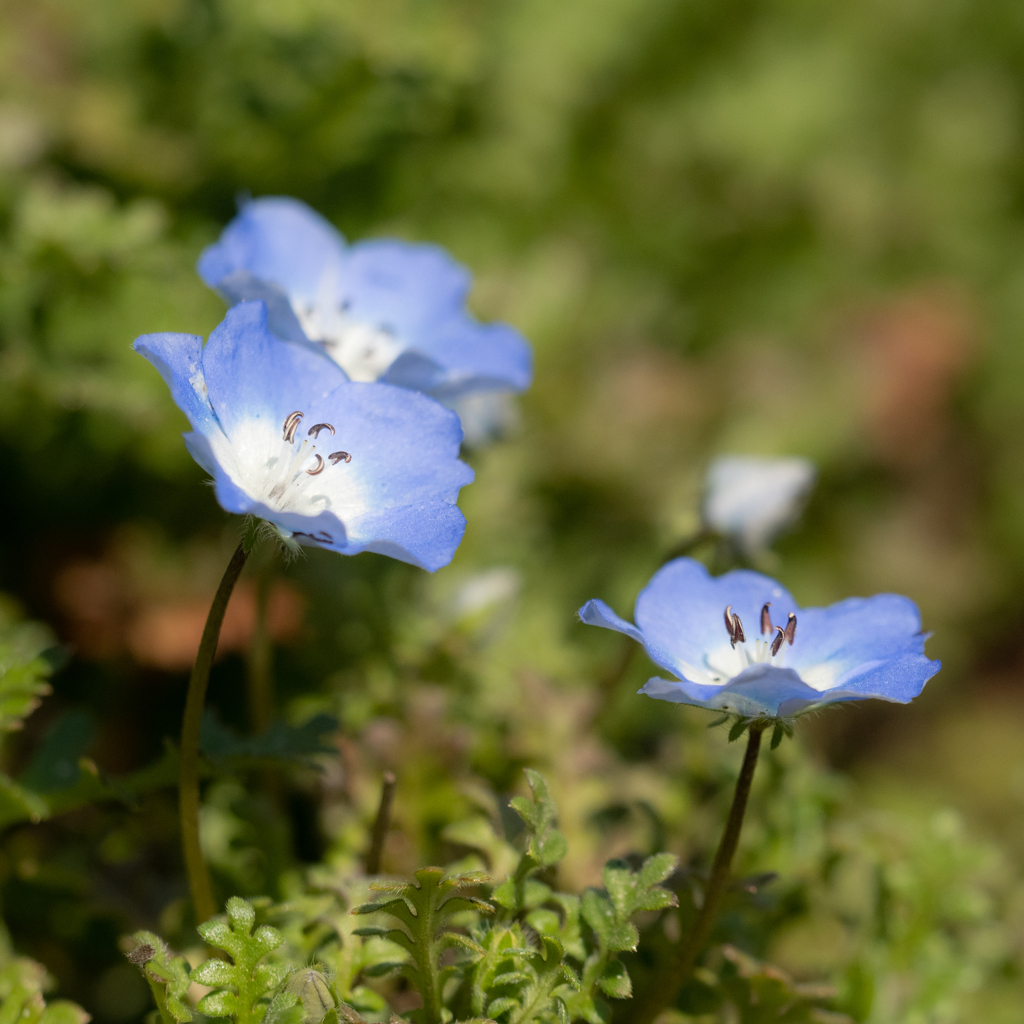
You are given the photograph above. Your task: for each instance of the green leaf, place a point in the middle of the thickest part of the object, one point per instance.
(614, 981)
(168, 976)
(777, 733)
(739, 728)
(424, 908)
(246, 981)
(281, 741)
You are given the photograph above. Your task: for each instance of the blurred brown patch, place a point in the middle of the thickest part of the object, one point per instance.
(650, 387)
(105, 618)
(916, 350)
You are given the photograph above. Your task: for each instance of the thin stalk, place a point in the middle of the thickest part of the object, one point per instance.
(666, 985)
(259, 677)
(199, 882)
(381, 825)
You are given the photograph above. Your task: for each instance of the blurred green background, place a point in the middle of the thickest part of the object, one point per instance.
(733, 226)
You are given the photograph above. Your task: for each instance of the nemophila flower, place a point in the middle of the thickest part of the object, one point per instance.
(331, 463)
(739, 643)
(752, 500)
(383, 310)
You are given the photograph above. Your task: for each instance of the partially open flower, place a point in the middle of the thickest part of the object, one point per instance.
(382, 309)
(739, 643)
(751, 500)
(331, 463)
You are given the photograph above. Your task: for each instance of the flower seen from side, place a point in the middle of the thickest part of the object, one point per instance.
(751, 499)
(383, 310)
(332, 463)
(738, 643)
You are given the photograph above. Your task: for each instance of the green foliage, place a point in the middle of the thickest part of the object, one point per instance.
(167, 975)
(242, 987)
(24, 668)
(545, 847)
(22, 985)
(424, 911)
(762, 994)
(281, 741)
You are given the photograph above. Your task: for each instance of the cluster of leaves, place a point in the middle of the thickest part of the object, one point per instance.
(23, 983)
(527, 953)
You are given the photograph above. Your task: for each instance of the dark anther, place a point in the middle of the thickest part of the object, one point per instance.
(780, 636)
(291, 424)
(766, 619)
(738, 627)
(319, 466)
(337, 457)
(791, 629)
(730, 628)
(141, 954)
(314, 431)
(733, 626)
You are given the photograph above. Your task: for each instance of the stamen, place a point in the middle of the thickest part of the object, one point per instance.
(730, 627)
(791, 629)
(738, 629)
(291, 424)
(319, 466)
(766, 619)
(337, 457)
(314, 431)
(780, 636)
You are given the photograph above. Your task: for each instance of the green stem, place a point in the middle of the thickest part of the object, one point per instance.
(199, 882)
(259, 679)
(666, 985)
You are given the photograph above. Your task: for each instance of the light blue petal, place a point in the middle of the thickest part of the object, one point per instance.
(899, 680)
(681, 611)
(251, 374)
(242, 286)
(179, 359)
(426, 535)
(406, 444)
(405, 288)
(759, 691)
(477, 357)
(277, 241)
(858, 630)
(596, 613)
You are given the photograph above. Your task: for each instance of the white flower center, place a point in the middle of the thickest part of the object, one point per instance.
(363, 351)
(291, 470)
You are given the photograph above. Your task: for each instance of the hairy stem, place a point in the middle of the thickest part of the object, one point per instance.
(199, 882)
(666, 985)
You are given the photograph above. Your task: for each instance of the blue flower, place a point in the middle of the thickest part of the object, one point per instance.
(383, 309)
(751, 499)
(739, 643)
(331, 463)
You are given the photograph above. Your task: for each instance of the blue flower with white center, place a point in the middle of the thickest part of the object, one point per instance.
(290, 439)
(752, 499)
(383, 310)
(739, 643)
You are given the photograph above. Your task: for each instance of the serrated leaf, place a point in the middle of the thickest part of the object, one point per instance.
(656, 869)
(502, 1004)
(220, 1004)
(379, 970)
(213, 973)
(614, 981)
